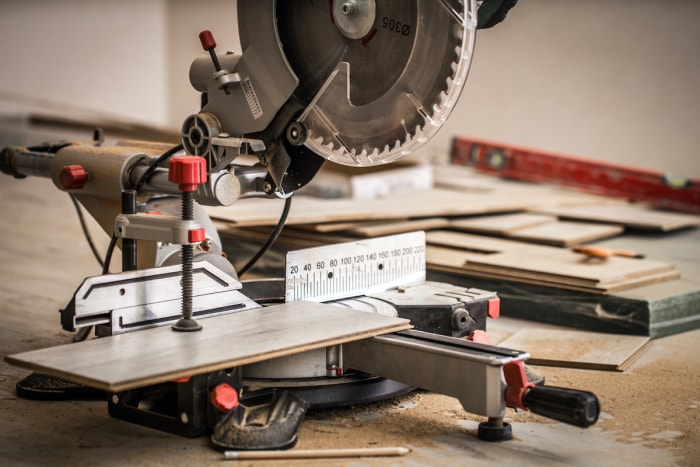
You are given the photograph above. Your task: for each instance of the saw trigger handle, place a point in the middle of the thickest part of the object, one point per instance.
(572, 406)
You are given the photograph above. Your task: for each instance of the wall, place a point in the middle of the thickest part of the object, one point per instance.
(608, 80)
(96, 55)
(611, 80)
(186, 19)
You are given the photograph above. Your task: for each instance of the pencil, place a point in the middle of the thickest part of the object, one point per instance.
(316, 453)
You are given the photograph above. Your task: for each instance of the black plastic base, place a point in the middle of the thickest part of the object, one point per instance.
(268, 420)
(493, 432)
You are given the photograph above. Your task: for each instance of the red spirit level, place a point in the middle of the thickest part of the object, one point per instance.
(592, 176)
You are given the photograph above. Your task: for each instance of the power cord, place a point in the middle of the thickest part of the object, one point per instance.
(271, 239)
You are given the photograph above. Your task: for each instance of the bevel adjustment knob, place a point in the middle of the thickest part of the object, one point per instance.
(73, 177)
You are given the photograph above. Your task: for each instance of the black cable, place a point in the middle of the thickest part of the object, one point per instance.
(154, 165)
(86, 232)
(271, 239)
(108, 254)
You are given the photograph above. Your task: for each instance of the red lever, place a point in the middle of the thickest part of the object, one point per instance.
(516, 380)
(207, 40)
(187, 172)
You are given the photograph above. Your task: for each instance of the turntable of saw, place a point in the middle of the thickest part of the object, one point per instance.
(182, 344)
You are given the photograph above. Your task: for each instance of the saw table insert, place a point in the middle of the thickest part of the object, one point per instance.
(121, 362)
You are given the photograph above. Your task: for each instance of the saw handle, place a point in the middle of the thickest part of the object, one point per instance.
(572, 406)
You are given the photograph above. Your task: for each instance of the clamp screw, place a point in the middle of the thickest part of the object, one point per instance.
(187, 172)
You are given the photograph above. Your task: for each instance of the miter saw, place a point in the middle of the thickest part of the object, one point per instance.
(356, 82)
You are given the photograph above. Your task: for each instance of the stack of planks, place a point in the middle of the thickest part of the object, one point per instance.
(525, 231)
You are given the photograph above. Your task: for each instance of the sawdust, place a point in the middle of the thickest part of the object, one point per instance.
(419, 416)
(655, 403)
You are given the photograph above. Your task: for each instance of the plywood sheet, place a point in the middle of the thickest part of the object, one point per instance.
(152, 356)
(578, 349)
(631, 215)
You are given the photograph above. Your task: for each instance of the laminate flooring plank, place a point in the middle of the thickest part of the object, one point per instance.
(502, 224)
(142, 358)
(391, 228)
(578, 349)
(565, 233)
(630, 215)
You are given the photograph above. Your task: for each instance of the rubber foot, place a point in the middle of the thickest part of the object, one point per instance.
(187, 325)
(43, 387)
(488, 432)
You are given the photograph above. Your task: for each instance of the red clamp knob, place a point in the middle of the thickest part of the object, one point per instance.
(187, 172)
(224, 398)
(73, 177)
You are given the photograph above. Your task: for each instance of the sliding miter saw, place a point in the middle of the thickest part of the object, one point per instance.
(356, 82)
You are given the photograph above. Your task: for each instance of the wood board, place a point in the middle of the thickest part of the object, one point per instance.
(502, 224)
(538, 264)
(637, 216)
(537, 228)
(152, 356)
(578, 349)
(391, 228)
(563, 233)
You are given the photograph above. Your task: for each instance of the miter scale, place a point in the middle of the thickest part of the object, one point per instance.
(186, 346)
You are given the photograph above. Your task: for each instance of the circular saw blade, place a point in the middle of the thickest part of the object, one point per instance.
(378, 77)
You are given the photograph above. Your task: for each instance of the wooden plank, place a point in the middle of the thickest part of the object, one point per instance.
(630, 215)
(537, 228)
(563, 233)
(578, 349)
(392, 228)
(502, 224)
(152, 356)
(507, 259)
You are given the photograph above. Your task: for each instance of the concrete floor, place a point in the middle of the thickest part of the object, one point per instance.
(44, 258)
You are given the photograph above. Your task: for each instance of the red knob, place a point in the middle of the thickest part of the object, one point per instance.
(224, 398)
(207, 40)
(73, 177)
(187, 172)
